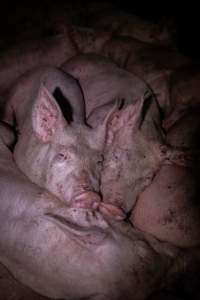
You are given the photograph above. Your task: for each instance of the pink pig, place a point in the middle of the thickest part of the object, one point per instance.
(64, 155)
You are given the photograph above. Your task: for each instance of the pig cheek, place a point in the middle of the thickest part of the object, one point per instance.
(110, 183)
(57, 184)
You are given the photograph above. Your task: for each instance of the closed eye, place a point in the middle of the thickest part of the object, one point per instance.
(61, 157)
(100, 160)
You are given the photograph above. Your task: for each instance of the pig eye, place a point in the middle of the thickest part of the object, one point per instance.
(100, 161)
(61, 157)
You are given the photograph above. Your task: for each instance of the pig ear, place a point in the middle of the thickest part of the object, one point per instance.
(98, 134)
(46, 115)
(130, 116)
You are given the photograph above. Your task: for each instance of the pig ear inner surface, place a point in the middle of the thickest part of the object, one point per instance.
(46, 115)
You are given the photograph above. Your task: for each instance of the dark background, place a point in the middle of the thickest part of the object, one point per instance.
(185, 14)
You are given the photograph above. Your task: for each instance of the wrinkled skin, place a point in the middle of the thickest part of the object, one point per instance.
(73, 253)
(62, 155)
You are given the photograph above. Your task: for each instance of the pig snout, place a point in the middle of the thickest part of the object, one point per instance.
(87, 199)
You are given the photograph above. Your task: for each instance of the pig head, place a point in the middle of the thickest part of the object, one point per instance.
(64, 155)
(134, 151)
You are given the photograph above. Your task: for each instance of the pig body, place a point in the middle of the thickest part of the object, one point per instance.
(153, 64)
(72, 253)
(124, 24)
(61, 154)
(103, 82)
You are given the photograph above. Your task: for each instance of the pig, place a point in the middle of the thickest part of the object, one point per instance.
(103, 82)
(73, 253)
(124, 24)
(50, 50)
(134, 151)
(56, 149)
(153, 64)
(169, 207)
(126, 50)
